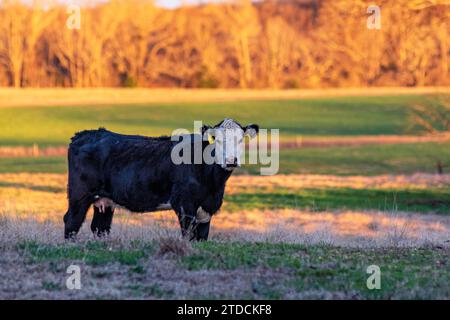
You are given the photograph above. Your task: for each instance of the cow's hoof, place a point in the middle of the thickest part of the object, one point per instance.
(70, 236)
(100, 233)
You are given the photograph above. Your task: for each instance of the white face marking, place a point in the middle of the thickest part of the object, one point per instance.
(229, 139)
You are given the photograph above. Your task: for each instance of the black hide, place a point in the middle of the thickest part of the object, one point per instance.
(137, 173)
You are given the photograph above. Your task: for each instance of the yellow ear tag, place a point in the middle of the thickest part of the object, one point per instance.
(210, 139)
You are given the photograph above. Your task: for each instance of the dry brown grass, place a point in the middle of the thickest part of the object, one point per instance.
(239, 184)
(32, 207)
(346, 228)
(173, 246)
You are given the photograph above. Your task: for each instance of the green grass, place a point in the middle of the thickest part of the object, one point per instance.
(313, 271)
(405, 272)
(328, 116)
(357, 160)
(337, 116)
(55, 164)
(217, 255)
(364, 160)
(430, 200)
(92, 253)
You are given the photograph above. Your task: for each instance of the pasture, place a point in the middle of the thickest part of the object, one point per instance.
(358, 185)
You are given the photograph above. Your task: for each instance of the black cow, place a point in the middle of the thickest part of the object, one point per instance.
(107, 169)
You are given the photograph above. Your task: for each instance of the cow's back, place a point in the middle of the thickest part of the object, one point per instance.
(121, 167)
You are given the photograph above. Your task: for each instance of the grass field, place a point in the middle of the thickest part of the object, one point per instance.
(311, 117)
(310, 232)
(236, 270)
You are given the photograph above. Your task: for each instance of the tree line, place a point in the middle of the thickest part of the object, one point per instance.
(234, 44)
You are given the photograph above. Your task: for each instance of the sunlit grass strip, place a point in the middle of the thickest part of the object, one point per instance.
(58, 97)
(339, 227)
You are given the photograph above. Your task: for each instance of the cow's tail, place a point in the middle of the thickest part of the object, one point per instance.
(71, 168)
(77, 141)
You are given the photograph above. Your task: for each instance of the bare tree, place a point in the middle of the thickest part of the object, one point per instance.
(264, 44)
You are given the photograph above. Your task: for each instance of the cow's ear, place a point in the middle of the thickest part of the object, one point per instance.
(251, 130)
(206, 134)
(205, 128)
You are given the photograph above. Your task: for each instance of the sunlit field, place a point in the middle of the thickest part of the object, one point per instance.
(322, 115)
(360, 183)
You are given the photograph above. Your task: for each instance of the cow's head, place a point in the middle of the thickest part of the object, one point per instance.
(228, 138)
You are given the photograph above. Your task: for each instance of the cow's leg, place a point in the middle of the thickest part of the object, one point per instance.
(75, 216)
(203, 220)
(191, 228)
(83, 184)
(202, 231)
(187, 224)
(101, 222)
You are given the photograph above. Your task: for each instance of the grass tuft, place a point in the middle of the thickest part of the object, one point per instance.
(174, 246)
